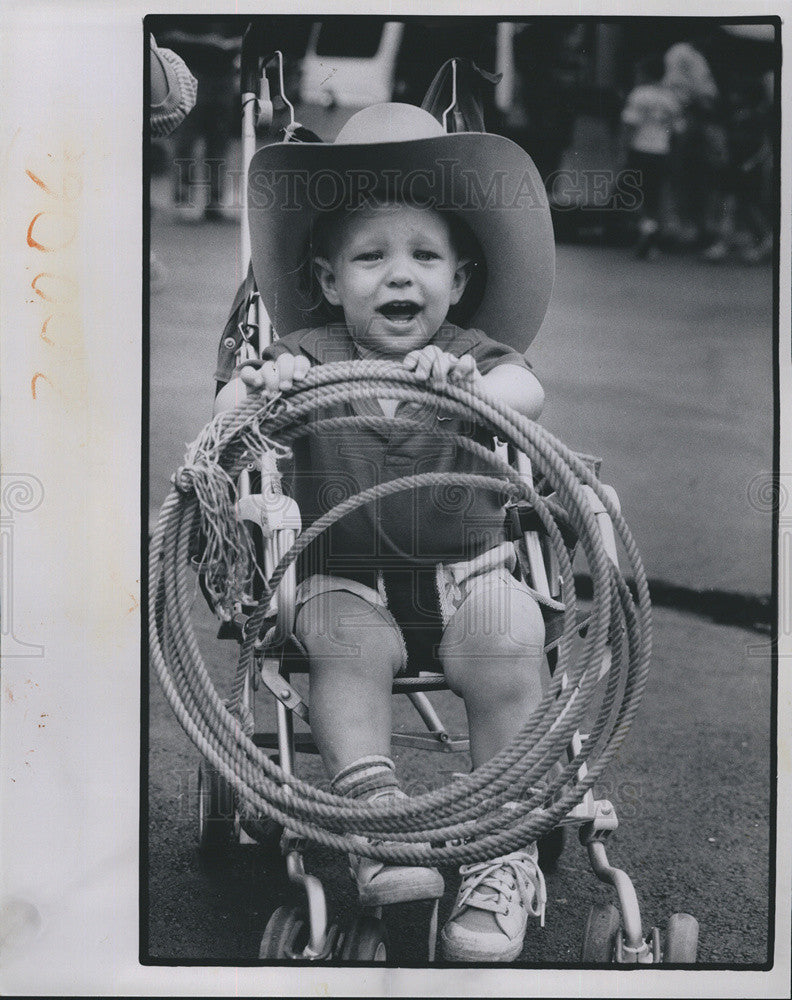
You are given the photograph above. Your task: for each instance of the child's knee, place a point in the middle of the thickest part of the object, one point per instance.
(501, 647)
(341, 628)
(505, 624)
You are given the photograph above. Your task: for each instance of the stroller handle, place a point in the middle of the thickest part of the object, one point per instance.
(251, 58)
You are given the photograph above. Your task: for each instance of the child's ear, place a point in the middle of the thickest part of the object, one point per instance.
(461, 278)
(326, 277)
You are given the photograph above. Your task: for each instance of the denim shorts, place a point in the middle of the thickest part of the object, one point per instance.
(422, 601)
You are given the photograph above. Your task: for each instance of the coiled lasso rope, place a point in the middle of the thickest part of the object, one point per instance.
(474, 817)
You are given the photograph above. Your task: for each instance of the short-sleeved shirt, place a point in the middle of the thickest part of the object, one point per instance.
(656, 114)
(418, 527)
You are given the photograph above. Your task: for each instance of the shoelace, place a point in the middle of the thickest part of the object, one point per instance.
(487, 885)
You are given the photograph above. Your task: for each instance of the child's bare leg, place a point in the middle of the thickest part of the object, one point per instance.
(355, 651)
(492, 655)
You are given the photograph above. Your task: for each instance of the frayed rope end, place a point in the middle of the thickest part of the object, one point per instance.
(229, 559)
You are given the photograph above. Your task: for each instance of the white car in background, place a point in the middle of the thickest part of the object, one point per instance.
(347, 70)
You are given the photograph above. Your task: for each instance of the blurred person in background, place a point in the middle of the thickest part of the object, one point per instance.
(651, 117)
(211, 53)
(745, 214)
(697, 153)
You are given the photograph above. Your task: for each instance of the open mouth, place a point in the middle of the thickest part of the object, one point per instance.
(399, 310)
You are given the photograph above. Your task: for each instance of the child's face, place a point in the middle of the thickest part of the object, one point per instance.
(395, 273)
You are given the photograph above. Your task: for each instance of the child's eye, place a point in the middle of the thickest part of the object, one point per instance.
(369, 255)
(426, 255)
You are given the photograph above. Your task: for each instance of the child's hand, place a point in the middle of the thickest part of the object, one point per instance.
(276, 376)
(432, 364)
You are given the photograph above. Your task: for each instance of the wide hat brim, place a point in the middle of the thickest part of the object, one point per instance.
(486, 179)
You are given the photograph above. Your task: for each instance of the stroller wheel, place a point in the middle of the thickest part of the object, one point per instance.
(681, 939)
(215, 811)
(365, 941)
(267, 835)
(551, 847)
(286, 933)
(599, 937)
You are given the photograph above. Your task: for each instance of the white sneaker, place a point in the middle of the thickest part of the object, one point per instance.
(381, 884)
(492, 907)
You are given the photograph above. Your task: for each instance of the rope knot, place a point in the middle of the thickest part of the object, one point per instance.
(184, 479)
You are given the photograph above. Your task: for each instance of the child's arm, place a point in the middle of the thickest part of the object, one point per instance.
(517, 387)
(267, 378)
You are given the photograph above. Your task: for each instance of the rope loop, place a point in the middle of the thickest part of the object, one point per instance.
(532, 783)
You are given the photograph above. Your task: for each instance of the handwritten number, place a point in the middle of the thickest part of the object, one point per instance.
(48, 236)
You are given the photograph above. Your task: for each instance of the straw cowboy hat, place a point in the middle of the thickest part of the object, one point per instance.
(403, 151)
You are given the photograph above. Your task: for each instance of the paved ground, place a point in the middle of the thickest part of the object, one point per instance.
(663, 369)
(690, 786)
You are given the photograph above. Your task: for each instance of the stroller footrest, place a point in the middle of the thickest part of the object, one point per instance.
(432, 741)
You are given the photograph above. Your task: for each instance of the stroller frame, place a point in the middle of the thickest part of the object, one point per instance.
(610, 935)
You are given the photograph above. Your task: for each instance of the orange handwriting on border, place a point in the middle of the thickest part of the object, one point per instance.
(58, 288)
(53, 297)
(35, 379)
(34, 243)
(71, 182)
(39, 181)
(44, 326)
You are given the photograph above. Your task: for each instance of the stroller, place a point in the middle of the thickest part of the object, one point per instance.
(247, 793)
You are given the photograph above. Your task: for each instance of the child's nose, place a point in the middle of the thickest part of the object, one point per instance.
(399, 273)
